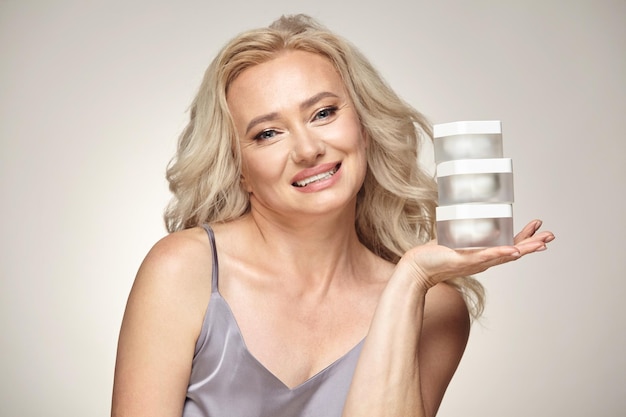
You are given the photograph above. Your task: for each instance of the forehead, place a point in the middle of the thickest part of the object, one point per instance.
(292, 76)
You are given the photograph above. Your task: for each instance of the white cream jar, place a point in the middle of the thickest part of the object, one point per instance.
(468, 226)
(475, 180)
(467, 140)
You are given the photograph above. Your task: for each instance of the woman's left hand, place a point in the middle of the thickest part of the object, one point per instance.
(432, 263)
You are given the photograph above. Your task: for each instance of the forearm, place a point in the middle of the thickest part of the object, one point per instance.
(389, 380)
(387, 377)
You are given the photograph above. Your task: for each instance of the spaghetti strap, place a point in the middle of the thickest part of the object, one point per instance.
(222, 361)
(214, 277)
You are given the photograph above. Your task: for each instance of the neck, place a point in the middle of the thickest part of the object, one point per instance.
(317, 250)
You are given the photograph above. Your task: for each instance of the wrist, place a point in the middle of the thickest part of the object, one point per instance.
(407, 279)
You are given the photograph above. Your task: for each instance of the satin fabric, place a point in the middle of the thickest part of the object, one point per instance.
(228, 381)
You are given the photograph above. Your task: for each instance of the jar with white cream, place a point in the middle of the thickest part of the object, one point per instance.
(475, 180)
(475, 185)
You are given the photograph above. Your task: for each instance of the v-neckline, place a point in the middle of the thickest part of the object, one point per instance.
(216, 292)
(265, 369)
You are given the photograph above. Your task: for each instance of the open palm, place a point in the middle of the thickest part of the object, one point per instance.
(432, 263)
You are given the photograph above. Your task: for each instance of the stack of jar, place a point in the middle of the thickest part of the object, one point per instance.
(475, 185)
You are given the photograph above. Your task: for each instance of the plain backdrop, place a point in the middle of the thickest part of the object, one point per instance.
(93, 95)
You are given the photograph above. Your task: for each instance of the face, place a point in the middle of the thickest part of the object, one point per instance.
(303, 148)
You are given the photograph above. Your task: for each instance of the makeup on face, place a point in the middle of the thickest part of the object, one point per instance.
(302, 146)
(475, 185)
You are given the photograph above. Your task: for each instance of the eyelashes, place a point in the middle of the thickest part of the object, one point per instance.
(321, 115)
(325, 113)
(266, 134)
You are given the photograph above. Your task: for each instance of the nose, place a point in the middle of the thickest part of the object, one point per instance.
(307, 146)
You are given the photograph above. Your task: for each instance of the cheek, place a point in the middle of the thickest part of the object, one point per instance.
(349, 132)
(260, 167)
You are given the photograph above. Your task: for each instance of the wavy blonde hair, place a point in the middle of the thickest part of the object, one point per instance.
(396, 205)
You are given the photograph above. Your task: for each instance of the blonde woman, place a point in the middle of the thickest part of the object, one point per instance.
(301, 275)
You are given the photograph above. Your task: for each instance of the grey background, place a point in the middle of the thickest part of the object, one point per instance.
(94, 94)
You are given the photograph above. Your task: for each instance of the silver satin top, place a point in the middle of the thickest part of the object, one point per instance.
(227, 381)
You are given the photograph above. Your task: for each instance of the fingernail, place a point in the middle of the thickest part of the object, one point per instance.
(541, 248)
(538, 224)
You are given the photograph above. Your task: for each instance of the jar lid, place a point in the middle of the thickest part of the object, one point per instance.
(467, 128)
(475, 166)
(473, 211)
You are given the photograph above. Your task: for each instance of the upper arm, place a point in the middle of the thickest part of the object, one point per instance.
(161, 324)
(444, 336)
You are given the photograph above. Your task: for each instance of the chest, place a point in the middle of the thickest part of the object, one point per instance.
(296, 339)
(226, 379)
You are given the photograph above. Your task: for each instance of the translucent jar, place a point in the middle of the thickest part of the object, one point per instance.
(475, 180)
(468, 226)
(475, 185)
(467, 140)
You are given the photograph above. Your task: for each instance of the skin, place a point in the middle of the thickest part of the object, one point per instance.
(302, 118)
(302, 287)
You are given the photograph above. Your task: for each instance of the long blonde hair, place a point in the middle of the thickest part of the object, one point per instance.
(396, 205)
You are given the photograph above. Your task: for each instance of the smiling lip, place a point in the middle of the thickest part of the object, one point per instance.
(312, 175)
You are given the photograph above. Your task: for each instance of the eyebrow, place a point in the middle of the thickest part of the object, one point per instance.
(304, 105)
(257, 120)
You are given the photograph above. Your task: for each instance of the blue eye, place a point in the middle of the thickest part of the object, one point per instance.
(266, 134)
(325, 113)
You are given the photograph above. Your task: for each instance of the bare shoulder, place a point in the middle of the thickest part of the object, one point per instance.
(183, 251)
(161, 323)
(446, 323)
(177, 267)
(445, 333)
(174, 280)
(445, 306)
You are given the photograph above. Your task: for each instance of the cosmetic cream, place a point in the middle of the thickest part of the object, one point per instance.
(468, 226)
(475, 180)
(467, 140)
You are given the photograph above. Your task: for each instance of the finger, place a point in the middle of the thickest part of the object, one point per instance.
(528, 231)
(536, 243)
(531, 246)
(545, 237)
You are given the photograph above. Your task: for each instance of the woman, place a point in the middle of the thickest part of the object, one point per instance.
(300, 276)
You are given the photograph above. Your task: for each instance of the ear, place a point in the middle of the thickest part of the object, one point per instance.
(365, 136)
(244, 184)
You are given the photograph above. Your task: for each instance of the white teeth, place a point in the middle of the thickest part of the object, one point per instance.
(317, 177)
